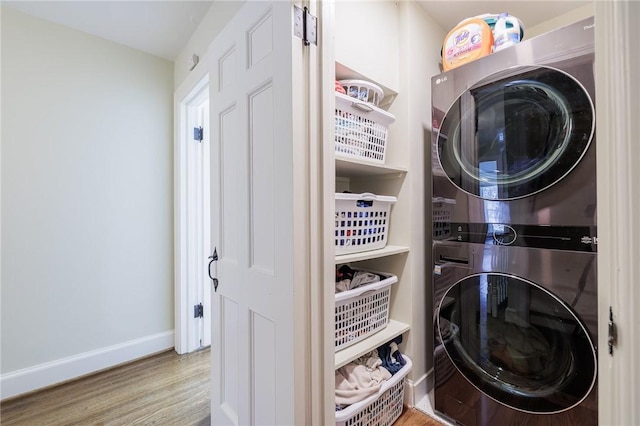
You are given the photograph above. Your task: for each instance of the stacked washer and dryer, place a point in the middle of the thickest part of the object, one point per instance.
(514, 241)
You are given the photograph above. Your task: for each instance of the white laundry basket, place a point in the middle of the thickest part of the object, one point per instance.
(363, 90)
(361, 129)
(363, 311)
(381, 409)
(361, 222)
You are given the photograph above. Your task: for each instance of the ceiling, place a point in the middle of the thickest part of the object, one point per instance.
(531, 12)
(160, 28)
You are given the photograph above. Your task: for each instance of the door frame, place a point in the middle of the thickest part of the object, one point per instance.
(618, 107)
(184, 327)
(322, 208)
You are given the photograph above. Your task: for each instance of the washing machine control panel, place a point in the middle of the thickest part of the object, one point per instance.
(504, 234)
(575, 238)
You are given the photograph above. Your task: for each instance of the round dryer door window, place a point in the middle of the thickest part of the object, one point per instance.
(516, 136)
(517, 343)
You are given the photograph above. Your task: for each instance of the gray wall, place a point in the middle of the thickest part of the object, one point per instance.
(87, 222)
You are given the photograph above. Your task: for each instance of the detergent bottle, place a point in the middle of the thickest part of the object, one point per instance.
(469, 40)
(506, 32)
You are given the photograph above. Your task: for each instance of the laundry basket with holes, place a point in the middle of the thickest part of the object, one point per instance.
(381, 409)
(363, 90)
(363, 311)
(361, 130)
(361, 222)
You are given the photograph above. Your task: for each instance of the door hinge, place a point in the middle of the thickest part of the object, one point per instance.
(198, 134)
(613, 332)
(305, 25)
(198, 311)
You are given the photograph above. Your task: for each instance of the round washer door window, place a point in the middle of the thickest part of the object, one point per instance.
(518, 343)
(514, 137)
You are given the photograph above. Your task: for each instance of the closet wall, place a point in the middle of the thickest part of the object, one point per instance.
(560, 21)
(395, 45)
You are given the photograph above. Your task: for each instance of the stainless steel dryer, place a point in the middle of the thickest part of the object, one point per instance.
(516, 334)
(513, 137)
(514, 230)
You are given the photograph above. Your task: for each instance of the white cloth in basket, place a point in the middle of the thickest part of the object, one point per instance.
(356, 381)
(360, 278)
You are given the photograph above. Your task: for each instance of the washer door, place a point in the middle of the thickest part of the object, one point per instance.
(516, 136)
(517, 343)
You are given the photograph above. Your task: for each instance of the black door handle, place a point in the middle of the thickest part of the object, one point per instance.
(214, 258)
(209, 268)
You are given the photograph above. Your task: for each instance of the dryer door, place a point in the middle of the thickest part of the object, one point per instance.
(510, 137)
(517, 343)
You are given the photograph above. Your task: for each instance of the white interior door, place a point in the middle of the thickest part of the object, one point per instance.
(252, 198)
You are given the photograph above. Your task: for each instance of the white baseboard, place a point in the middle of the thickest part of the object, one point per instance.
(417, 389)
(50, 373)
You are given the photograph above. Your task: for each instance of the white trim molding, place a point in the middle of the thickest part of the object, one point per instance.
(184, 329)
(618, 152)
(322, 209)
(416, 390)
(61, 370)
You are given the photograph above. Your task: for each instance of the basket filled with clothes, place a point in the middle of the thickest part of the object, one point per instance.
(370, 389)
(361, 304)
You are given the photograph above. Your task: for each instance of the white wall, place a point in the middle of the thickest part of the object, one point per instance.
(87, 232)
(366, 35)
(419, 62)
(216, 18)
(561, 20)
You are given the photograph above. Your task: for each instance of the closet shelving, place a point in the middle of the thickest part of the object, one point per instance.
(392, 330)
(388, 250)
(382, 179)
(353, 167)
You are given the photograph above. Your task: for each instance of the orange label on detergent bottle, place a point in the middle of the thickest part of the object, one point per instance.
(468, 41)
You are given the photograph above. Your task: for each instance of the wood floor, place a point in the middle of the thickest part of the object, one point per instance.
(165, 389)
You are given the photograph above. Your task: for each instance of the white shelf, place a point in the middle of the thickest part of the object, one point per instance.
(371, 254)
(392, 330)
(345, 73)
(353, 167)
